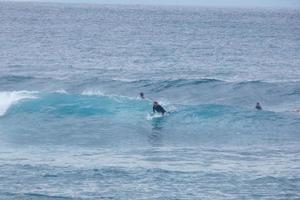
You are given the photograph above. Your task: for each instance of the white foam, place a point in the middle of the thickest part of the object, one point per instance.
(93, 92)
(154, 116)
(285, 107)
(125, 80)
(7, 99)
(61, 91)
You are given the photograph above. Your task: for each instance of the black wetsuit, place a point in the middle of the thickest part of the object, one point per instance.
(159, 109)
(258, 107)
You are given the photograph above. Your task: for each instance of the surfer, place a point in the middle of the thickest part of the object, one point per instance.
(258, 106)
(142, 95)
(158, 108)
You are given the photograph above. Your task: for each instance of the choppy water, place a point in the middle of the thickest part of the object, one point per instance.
(72, 127)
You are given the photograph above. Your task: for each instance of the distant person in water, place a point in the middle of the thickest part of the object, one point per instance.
(158, 108)
(258, 106)
(142, 95)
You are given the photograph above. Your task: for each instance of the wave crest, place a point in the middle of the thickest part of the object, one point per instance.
(7, 99)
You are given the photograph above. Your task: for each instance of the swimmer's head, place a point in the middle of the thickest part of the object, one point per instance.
(142, 95)
(155, 103)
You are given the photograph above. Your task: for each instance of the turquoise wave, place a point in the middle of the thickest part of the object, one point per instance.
(122, 109)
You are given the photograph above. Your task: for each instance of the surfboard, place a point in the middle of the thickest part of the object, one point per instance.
(152, 116)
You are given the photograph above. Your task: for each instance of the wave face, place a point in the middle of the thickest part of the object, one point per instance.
(91, 115)
(73, 127)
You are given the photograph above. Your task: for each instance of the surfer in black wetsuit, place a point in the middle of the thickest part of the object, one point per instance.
(258, 106)
(158, 108)
(142, 95)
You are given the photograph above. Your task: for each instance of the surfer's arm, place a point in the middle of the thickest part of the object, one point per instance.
(153, 110)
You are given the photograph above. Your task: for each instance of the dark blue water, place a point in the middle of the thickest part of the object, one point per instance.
(72, 125)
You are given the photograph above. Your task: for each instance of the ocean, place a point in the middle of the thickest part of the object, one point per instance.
(72, 125)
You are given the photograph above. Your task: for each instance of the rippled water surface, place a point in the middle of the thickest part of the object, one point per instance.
(72, 125)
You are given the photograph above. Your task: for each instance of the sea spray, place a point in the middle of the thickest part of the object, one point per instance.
(7, 99)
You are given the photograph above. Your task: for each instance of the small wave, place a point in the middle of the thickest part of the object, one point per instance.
(204, 80)
(7, 99)
(39, 195)
(125, 80)
(162, 85)
(15, 78)
(50, 175)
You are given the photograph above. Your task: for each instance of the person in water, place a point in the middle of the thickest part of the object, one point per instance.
(158, 108)
(142, 95)
(258, 106)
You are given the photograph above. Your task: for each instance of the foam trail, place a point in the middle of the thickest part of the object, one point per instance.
(7, 99)
(93, 92)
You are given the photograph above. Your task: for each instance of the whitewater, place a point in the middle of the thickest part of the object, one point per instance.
(72, 124)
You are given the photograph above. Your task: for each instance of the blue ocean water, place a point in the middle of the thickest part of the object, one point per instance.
(72, 125)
